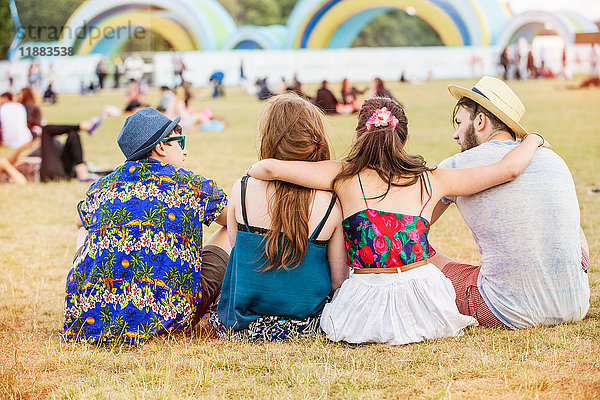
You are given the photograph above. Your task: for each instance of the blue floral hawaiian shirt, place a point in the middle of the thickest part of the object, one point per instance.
(138, 273)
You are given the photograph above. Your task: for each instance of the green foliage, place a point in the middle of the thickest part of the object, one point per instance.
(259, 12)
(150, 41)
(43, 20)
(397, 28)
(7, 32)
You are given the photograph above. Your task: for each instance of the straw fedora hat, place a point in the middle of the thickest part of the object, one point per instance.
(498, 98)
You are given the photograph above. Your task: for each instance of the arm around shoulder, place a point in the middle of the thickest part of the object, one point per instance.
(463, 182)
(314, 175)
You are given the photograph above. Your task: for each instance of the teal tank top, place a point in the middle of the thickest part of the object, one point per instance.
(249, 293)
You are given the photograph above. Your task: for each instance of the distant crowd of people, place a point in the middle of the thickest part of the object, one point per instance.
(325, 99)
(518, 62)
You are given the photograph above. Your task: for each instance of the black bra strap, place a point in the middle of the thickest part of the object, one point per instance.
(322, 223)
(244, 215)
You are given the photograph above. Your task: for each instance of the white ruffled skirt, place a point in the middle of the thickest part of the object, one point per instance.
(394, 308)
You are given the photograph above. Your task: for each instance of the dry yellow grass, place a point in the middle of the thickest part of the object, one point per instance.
(37, 235)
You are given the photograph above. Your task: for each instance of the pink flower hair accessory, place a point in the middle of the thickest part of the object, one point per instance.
(382, 117)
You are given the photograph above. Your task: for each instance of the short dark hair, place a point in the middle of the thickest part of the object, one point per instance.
(177, 130)
(474, 109)
(7, 95)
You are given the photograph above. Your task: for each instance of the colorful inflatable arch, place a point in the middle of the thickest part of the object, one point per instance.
(251, 37)
(336, 23)
(102, 26)
(528, 24)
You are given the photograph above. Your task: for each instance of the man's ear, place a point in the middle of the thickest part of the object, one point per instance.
(479, 122)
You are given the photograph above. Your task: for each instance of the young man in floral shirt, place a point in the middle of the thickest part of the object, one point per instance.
(142, 269)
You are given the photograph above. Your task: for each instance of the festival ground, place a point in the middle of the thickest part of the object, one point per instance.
(37, 242)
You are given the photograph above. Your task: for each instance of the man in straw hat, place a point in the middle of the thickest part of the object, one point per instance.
(138, 272)
(527, 231)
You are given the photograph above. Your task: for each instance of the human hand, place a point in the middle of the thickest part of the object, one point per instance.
(261, 170)
(543, 143)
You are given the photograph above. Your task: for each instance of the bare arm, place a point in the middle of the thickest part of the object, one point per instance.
(7, 167)
(222, 218)
(314, 175)
(81, 232)
(337, 257)
(439, 209)
(463, 182)
(585, 251)
(234, 198)
(14, 157)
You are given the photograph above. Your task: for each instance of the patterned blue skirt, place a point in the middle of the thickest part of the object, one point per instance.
(267, 329)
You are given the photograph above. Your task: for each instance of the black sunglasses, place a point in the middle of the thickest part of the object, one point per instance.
(179, 139)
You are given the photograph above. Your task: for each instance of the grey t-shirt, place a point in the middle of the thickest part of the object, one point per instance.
(527, 232)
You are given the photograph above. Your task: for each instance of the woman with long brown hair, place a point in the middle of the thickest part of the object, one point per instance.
(288, 247)
(416, 301)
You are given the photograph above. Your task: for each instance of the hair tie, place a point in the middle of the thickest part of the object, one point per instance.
(382, 117)
(317, 142)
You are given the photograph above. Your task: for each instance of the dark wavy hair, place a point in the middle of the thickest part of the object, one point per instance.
(382, 150)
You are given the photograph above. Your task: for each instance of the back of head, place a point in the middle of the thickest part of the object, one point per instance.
(381, 134)
(7, 96)
(290, 128)
(27, 97)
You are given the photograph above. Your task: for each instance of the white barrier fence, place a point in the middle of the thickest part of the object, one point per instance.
(69, 73)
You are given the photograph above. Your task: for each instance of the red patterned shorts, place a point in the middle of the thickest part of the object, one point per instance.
(468, 298)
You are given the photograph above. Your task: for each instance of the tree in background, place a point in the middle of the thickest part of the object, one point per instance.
(397, 28)
(259, 12)
(49, 14)
(7, 32)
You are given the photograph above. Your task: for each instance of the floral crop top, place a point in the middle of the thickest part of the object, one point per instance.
(379, 239)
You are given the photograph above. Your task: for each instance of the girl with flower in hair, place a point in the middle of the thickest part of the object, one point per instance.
(394, 295)
(288, 246)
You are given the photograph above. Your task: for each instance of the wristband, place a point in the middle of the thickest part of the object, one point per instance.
(541, 137)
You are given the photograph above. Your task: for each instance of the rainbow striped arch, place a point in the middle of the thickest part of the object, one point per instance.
(184, 24)
(336, 23)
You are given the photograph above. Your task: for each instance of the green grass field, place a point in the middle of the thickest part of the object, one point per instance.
(37, 242)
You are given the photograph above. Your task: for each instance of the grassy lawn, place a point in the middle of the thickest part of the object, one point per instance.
(37, 242)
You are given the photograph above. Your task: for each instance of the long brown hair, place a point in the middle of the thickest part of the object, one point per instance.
(290, 128)
(382, 150)
(28, 97)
